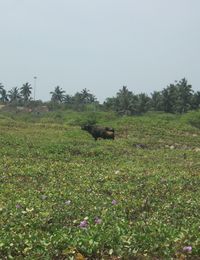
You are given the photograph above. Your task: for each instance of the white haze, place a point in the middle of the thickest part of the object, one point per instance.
(100, 45)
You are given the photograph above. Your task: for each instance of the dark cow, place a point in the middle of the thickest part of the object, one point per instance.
(99, 131)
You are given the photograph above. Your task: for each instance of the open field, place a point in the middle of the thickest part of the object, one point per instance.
(65, 196)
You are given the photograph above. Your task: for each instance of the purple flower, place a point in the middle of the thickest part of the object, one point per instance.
(18, 206)
(114, 202)
(97, 220)
(187, 249)
(83, 224)
(67, 202)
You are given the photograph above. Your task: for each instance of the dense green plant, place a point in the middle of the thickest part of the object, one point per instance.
(156, 101)
(25, 92)
(65, 196)
(3, 94)
(14, 96)
(177, 98)
(57, 96)
(193, 118)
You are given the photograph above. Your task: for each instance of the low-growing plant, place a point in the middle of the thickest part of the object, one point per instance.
(65, 196)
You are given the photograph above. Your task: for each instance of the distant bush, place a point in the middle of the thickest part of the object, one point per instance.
(193, 118)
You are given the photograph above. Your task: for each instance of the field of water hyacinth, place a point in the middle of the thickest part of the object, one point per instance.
(65, 196)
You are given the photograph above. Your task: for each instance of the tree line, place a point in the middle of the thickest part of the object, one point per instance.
(178, 97)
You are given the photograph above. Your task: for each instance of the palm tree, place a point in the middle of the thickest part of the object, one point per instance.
(3, 93)
(143, 103)
(124, 100)
(14, 95)
(185, 94)
(87, 97)
(1, 86)
(157, 101)
(68, 99)
(57, 95)
(26, 91)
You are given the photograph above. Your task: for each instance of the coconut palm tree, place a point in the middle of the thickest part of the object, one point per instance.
(87, 97)
(26, 91)
(157, 101)
(124, 100)
(1, 86)
(3, 94)
(14, 95)
(57, 95)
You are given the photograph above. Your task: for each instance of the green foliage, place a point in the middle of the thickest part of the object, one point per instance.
(138, 195)
(78, 102)
(57, 96)
(157, 101)
(3, 94)
(126, 103)
(175, 98)
(91, 119)
(193, 118)
(26, 92)
(15, 97)
(196, 100)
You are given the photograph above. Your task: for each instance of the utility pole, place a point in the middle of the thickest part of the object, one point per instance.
(35, 78)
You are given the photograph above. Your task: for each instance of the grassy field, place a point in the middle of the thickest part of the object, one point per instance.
(65, 196)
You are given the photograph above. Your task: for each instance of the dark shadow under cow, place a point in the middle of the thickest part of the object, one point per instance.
(100, 132)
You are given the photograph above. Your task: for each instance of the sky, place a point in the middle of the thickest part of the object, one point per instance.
(100, 45)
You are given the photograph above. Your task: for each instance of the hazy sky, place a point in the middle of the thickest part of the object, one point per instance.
(100, 45)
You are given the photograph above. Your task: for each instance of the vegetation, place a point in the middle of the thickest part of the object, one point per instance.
(65, 196)
(57, 95)
(14, 96)
(26, 92)
(177, 98)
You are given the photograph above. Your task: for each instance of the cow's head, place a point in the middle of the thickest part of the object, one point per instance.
(86, 127)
